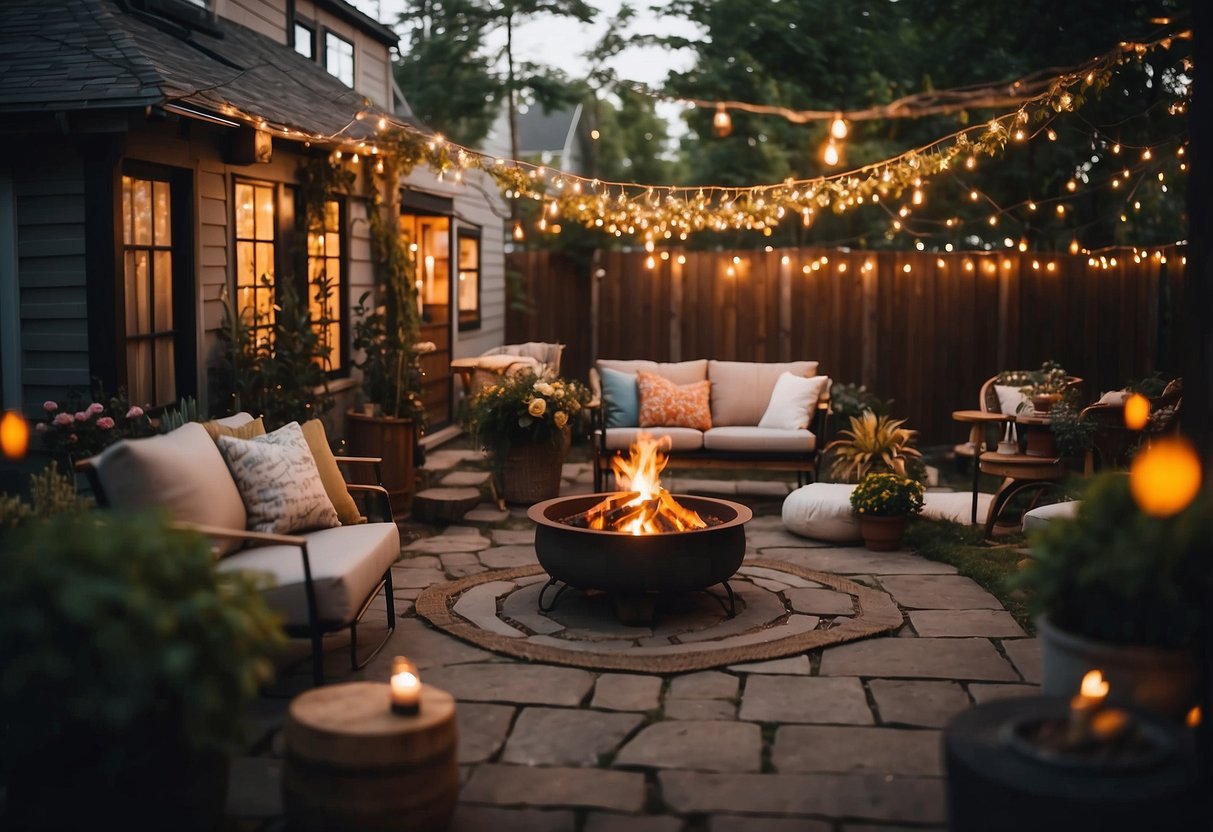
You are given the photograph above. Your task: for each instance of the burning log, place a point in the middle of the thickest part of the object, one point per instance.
(583, 519)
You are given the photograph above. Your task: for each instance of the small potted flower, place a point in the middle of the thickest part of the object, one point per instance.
(525, 424)
(883, 503)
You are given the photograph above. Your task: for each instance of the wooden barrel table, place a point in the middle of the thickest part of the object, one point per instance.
(353, 764)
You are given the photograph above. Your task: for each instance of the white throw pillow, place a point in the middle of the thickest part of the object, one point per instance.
(279, 481)
(1009, 399)
(793, 401)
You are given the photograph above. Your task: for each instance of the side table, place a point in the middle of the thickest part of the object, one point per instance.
(978, 421)
(353, 764)
(1020, 473)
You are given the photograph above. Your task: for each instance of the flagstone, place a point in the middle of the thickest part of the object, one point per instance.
(460, 479)
(506, 557)
(482, 729)
(939, 592)
(825, 748)
(987, 693)
(707, 684)
(483, 818)
(917, 702)
(793, 665)
(1025, 654)
(804, 699)
(921, 658)
(567, 736)
(854, 561)
(700, 709)
(486, 513)
(508, 785)
(521, 684)
(441, 543)
(695, 745)
(627, 692)
(748, 823)
(961, 623)
(821, 601)
(611, 822)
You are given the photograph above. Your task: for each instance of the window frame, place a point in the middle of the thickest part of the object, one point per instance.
(276, 259)
(324, 57)
(298, 23)
(469, 232)
(344, 322)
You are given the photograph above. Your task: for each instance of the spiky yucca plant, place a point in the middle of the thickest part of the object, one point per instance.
(873, 443)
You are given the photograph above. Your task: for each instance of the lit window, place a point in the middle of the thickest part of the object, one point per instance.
(148, 290)
(255, 223)
(324, 282)
(469, 279)
(339, 58)
(305, 41)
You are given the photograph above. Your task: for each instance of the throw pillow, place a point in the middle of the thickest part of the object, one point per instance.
(278, 481)
(793, 401)
(620, 398)
(1009, 399)
(251, 428)
(666, 404)
(330, 474)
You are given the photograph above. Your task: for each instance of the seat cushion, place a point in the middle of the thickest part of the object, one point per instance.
(347, 563)
(666, 404)
(822, 511)
(681, 439)
(759, 440)
(182, 472)
(741, 390)
(241, 425)
(956, 506)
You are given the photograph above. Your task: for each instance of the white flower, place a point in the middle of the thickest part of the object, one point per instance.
(543, 388)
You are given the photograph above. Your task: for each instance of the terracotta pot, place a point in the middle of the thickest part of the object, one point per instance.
(1156, 679)
(882, 534)
(1045, 401)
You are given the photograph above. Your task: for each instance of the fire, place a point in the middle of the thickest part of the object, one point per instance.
(1093, 685)
(643, 507)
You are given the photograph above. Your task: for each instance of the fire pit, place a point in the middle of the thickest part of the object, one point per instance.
(636, 545)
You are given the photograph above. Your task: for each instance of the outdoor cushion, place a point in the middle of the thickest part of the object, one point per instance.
(1009, 399)
(793, 401)
(1042, 516)
(750, 440)
(741, 390)
(956, 506)
(666, 404)
(347, 562)
(621, 399)
(241, 425)
(330, 474)
(683, 372)
(681, 439)
(822, 511)
(182, 472)
(278, 481)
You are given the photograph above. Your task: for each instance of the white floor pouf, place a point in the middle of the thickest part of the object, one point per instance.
(1041, 516)
(822, 511)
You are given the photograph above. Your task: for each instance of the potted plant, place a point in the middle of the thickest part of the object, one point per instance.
(1118, 590)
(78, 428)
(525, 422)
(873, 443)
(128, 661)
(883, 503)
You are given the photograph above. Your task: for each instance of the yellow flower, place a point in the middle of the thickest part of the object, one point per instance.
(560, 418)
(537, 407)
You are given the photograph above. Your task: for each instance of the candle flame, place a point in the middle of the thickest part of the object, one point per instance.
(1093, 685)
(1193, 718)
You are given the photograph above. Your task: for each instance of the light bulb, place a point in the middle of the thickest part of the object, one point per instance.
(722, 122)
(838, 128)
(830, 154)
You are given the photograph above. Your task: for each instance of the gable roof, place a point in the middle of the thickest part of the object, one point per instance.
(91, 54)
(540, 130)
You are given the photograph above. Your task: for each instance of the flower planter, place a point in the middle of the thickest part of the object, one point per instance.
(530, 471)
(882, 534)
(1159, 680)
(393, 441)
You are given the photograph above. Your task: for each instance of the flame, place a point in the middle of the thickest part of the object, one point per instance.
(1193, 718)
(644, 507)
(1093, 685)
(641, 471)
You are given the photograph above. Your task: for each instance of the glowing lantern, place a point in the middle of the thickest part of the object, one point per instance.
(1137, 411)
(1165, 477)
(722, 122)
(14, 435)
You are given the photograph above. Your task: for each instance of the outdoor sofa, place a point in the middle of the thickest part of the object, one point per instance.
(755, 419)
(320, 580)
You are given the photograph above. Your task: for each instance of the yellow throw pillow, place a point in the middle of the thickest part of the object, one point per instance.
(250, 429)
(330, 474)
(668, 405)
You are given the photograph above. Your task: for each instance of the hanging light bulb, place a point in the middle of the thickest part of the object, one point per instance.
(519, 234)
(722, 122)
(917, 197)
(830, 154)
(838, 127)
(1074, 247)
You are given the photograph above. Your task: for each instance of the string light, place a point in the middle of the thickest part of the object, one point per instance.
(838, 128)
(722, 122)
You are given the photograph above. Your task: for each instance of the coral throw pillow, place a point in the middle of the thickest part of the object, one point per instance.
(668, 405)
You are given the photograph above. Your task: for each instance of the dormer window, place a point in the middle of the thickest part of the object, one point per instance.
(339, 58)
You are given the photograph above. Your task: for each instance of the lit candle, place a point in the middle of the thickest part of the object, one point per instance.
(1090, 699)
(406, 687)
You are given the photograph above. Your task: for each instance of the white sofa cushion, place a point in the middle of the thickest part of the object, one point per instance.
(182, 472)
(741, 390)
(751, 439)
(347, 562)
(822, 511)
(793, 401)
(681, 439)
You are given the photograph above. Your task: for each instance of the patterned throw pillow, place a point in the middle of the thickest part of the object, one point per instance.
(668, 405)
(278, 481)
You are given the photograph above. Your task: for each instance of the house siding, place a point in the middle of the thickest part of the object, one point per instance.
(265, 16)
(372, 59)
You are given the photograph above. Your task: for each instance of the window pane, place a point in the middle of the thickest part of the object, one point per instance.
(265, 264)
(332, 215)
(166, 386)
(163, 290)
(315, 243)
(265, 212)
(244, 211)
(139, 372)
(143, 212)
(143, 312)
(469, 253)
(162, 217)
(339, 58)
(303, 41)
(131, 294)
(332, 244)
(127, 230)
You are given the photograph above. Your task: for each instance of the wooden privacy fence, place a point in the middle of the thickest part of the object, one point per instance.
(921, 328)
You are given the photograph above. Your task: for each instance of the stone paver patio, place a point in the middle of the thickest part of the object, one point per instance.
(839, 739)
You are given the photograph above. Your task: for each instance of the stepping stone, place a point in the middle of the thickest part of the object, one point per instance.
(465, 479)
(512, 537)
(522, 684)
(505, 785)
(749, 823)
(567, 736)
(417, 577)
(913, 702)
(444, 505)
(450, 541)
(482, 729)
(805, 699)
(1025, 654)
(479, 606)
(606, 822)
(701, 709)
(813, 748)
(627, 692)
(479, 818)
(988, 693)
(988, 623)
(821, 601)
(461, 564)
(486, 513)
(505, 557)
(919, 658)
(794, 666)
(939, 592)
(704, 746)
(852, 561)
(708, 684)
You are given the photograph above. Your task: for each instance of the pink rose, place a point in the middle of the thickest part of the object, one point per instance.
(50, 407)
(95, 408)
(135, 412)
(105, 423)
(82, 415)
(62, 419)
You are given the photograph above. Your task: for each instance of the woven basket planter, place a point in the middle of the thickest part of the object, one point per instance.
(530, 471)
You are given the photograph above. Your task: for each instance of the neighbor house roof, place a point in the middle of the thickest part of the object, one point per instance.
(553, 132)
(91, 54)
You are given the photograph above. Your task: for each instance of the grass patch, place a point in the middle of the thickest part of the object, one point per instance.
(963, 546)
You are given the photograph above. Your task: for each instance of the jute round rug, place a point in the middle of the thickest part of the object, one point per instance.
(782, 610)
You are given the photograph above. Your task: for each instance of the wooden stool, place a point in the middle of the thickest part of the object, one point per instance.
(353, 764)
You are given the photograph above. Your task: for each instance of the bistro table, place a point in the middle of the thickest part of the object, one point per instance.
(978, 421)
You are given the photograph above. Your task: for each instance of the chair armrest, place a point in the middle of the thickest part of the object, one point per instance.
(369, 460)
(384, 498)
(242, 534)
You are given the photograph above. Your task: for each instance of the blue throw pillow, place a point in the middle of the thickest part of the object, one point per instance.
(621, 398)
